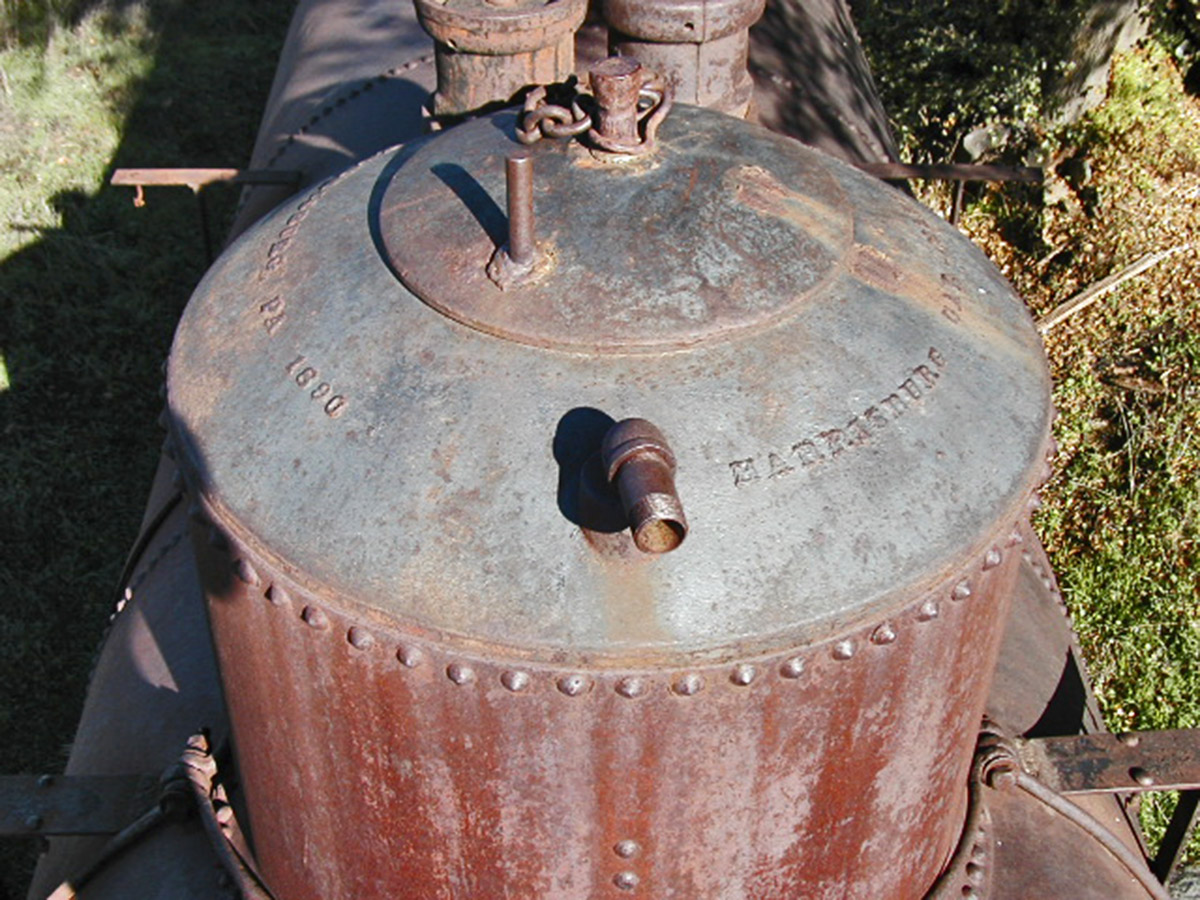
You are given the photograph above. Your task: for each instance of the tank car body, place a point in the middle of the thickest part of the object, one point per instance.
(418, 558)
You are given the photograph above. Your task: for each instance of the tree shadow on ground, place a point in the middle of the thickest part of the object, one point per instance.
(86, 317)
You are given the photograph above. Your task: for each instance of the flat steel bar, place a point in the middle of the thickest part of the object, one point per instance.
(955, 172)
(1109, 763)
(72, 804)
(198, 178)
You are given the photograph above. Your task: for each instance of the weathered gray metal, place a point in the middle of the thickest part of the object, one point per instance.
(488, 51)
(700, 46)
(392, 445)
(854, 413)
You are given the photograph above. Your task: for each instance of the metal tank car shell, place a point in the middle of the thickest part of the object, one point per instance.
(599, 494)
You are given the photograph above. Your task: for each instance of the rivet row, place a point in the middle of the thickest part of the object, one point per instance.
(631, 686)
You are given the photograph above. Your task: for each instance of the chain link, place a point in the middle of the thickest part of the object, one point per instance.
(541, 119)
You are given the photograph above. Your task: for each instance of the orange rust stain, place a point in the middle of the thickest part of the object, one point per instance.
(758, 189)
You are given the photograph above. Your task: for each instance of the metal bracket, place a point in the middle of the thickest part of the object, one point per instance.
(1112, 763)
(32, 805)
(197, 180)
(1126, 763)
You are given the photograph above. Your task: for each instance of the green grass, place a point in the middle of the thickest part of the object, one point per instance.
(90, 289)
(1122, 515)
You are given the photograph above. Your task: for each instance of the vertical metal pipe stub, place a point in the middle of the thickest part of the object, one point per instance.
(640, 463)
(517, 261)
(518, 173)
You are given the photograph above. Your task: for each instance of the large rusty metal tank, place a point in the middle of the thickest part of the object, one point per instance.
(445, 656)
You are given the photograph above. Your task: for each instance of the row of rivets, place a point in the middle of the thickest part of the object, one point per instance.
(976, 869)
(630, 687)
(1040, 571)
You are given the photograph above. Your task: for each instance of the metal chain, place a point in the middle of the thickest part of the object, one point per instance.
(541, 119)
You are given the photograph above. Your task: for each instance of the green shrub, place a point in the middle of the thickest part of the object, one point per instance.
(944, 67)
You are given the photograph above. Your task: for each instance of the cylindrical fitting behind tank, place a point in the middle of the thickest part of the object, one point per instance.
(488, 50)
(701, 46)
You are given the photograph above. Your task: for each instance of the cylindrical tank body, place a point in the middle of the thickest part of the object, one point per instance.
(449, 676)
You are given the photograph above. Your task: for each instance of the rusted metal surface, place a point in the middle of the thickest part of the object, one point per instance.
(617, 85)
(678, 280)
(1022, 839)
(487, 52)
(1039, 853)
(522, 243)
(456, 687)
(699, 46)
(639, 462)
(516, 260)
(469, 774)
(72, 804)
(955, 172)
(1100, 763)
(629, 106)
(493, 692)
(198, 178)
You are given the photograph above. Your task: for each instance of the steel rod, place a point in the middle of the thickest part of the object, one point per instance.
(518, 170)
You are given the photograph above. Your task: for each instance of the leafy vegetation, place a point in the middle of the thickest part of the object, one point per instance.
(944, 67)
(1121, 518)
